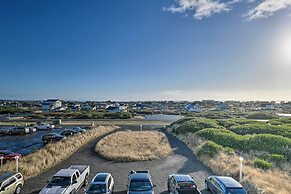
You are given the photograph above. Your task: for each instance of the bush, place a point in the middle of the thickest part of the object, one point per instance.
(262, 128)
(278, 158)
(261, 115)
(210, 149)
(262, 164)
(195, 125)
(262, 142)
(228, 150)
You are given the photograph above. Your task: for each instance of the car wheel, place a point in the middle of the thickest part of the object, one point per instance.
(206, 187)
(48, 128)
(18, 189)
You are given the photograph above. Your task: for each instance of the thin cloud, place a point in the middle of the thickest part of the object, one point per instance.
(267, 8)
(205, 8)
(200, 8)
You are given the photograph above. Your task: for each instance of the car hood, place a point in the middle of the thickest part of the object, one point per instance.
(54, 189)
(140, 192)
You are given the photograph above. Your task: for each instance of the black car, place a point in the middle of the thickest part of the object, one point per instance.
(69, 132)
(52, 137)
(139, 182)
(182, 184)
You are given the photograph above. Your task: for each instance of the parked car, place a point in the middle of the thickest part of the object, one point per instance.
(68, 181)
(32, 129)
(223, 185)
(69, 132)
(101, 183)
(140, 182)
(44, 126)
(18, 130)
(11, 183)
(180, 183)
(8, 155)
(52, 137)
(79, 129)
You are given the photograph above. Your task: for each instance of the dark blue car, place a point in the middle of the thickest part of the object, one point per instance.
(223, 185)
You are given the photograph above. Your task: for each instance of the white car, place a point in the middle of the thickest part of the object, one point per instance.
(101, 183)
(44, 126)
(68, 181)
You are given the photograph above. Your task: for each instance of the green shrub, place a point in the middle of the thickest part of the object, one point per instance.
(278, 158)
(195, 125)
(261, 115)
(228, 150)
(262, 142)
(262, 164)
(210, 149)
(262, 128)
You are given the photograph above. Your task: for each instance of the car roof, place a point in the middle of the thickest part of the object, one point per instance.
(100, 177)
(228, 182)
(66, 172)
(6, 175)
(182, 178)
(140, 176)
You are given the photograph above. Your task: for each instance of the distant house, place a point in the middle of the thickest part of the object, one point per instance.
(88, 107)
(116, 107)
(221, 107)
(193, 107)
(51, 105)
(76, 107)
(268, 106)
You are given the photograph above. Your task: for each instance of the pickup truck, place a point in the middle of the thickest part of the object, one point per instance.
(68, 181)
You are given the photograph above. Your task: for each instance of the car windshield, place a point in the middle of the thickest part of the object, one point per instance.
(140, 186)
(60, 181)
(6, 152)
(235, 191)
(97, 188)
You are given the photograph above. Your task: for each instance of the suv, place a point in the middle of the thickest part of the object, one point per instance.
(11, 183)
(180, 183)
(140, 182)
(18, 130)
(223, 185)
(44, 126)
(52, 137)
(101, 183)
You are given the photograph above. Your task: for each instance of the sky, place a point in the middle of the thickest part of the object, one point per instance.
(145, 49)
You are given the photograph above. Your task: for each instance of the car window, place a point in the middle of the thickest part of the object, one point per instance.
(109, 182)
(78, 174)
(12, 180)
(5, 184)
(18, 176)
(184, 185)
(74, 178)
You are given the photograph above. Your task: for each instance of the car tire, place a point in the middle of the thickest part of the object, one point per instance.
(47, 128)
(206, 187)
(18, 189)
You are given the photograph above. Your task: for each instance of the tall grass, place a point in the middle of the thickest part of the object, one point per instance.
(254, 180)
(52, 154)
(134, 146)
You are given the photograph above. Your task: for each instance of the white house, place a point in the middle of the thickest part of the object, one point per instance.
(193, 107)
(51, 105)
(116, 107)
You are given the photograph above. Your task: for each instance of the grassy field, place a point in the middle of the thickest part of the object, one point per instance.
(15, 123)
(52, 154)
(134, 146)
(265, 147)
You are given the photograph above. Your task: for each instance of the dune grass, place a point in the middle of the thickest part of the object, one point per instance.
(52, 154)
(255, 180)
(134, 146)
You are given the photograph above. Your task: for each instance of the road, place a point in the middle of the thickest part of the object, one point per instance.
(180, 161)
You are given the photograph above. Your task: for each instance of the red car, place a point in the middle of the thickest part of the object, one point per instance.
(8, 155)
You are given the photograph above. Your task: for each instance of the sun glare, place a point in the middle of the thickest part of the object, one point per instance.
(284, 50)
